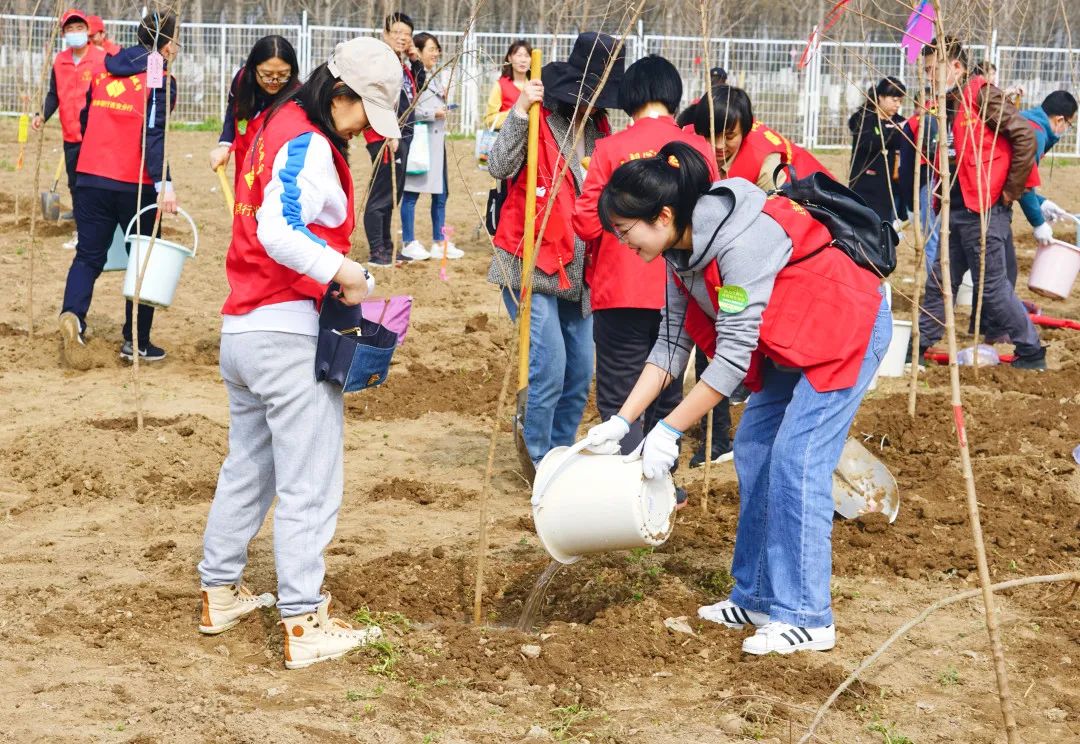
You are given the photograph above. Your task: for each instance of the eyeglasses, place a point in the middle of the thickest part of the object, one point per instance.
(621, 236)
(271, 79)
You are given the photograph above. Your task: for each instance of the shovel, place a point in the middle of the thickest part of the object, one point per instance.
(50, 200)
(527, 262)
(226, 190)
(863, 485)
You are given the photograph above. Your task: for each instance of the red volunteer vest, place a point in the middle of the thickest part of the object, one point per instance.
(616, 275)
(255, 279)
(914, 123)
(982, 157)
(72, 82)
(759, 143)
(509, 93)
(117, 109)
(821, 312)
(242, 140)
(556, 249)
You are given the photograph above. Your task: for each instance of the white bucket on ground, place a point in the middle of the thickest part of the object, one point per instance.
(163, 264)
(966, 293)
(117, 258)
(892, 364)
(584, 503)
(1054, 270)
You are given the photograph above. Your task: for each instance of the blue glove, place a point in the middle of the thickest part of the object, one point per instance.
(659, 451)
(604, 438)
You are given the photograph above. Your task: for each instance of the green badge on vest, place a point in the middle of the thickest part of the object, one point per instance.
(241, 126)
(731, 299)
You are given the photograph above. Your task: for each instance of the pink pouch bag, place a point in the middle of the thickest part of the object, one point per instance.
(392, 312)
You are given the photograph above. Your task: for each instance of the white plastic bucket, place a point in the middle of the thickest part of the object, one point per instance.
(584, 503)
(966, 293)
(117, 259)
(1054, 270)
(163, 268)
(892, 364)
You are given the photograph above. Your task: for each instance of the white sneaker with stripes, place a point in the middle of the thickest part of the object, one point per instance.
(730, 614)
(782, 638)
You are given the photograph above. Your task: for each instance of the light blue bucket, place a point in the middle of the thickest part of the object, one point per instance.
(117, 260)
(163, 264)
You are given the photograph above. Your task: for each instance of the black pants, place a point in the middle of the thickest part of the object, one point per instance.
(71, 159)
(98, 213)
(721, 420)
(624, 337)
(381, 199)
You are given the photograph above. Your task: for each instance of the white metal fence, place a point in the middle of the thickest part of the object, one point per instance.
(811, 105)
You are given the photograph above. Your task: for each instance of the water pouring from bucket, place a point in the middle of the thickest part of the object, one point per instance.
(585, 503)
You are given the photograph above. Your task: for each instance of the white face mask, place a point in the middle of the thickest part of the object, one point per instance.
(75, 39)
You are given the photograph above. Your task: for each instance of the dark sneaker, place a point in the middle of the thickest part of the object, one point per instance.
(721, 453)
(1035, 362)
(150, 353)
(379, 263)
(739, 395)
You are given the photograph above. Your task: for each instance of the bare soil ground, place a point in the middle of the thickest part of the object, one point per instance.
(100, 531)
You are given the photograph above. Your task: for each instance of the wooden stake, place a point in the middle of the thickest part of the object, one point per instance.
(920, 245)
(1000, 672)
(707, 99)
(482, 537)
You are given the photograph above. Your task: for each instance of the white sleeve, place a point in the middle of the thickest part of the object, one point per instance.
(303, 189)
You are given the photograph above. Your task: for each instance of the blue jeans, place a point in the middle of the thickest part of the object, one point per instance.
(786, 447)
(930, 227)
(438, 214)
(560, 371)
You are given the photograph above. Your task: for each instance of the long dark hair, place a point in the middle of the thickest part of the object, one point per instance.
(249, 96)
(675, 177)
(315, 97)
(507, 68)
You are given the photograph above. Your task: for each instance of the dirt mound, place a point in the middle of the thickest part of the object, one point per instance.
(416, 389)
(173, 460)
(407, 489)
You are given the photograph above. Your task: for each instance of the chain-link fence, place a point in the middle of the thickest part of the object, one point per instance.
(811, 103)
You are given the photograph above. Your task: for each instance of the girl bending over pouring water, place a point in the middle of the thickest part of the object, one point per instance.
(754, 281)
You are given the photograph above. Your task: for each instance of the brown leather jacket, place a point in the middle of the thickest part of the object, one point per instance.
(1000, 115)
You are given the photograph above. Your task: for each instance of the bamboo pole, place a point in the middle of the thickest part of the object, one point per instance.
(707, 99)
(1000, 672)
(920, 244)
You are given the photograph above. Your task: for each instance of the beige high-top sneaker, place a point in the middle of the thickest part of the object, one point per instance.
(225, 606)
(316, 637)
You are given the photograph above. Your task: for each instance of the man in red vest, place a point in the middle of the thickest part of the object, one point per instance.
(991, 150)
(68, 83)
(100, 38)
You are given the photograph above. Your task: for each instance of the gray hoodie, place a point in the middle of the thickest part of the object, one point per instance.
(750, 248)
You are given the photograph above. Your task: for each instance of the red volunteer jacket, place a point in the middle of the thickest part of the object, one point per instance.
(616, 275)
(72, 82)
(982, 156)
(117, 109)
(509, 92)
(759, 143)
(556, 250)
(255, 279)
(821, 312)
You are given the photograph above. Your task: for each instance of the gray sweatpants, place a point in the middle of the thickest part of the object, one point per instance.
(1002, 310)
(285, 438)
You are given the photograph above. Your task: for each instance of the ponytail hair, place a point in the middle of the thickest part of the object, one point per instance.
(675, 177)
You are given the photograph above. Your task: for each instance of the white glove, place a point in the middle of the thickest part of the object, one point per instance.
(659, 451)
(604, 438)
(1052, 212)
(1044, 234)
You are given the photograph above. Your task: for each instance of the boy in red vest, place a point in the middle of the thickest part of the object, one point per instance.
(100, 38)
(992, 162)
(68, 84)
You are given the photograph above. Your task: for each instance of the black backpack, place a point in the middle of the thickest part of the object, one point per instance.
(856, 229)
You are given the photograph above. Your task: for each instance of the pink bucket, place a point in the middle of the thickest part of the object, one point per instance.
(1054, 270)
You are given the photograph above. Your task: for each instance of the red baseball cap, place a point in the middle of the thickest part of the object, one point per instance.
(96, 25)
(73, 14)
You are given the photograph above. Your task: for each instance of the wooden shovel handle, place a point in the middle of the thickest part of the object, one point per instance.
(525, 306)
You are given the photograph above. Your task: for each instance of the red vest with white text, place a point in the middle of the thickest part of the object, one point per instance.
(255, 279)
(114, 125)
(72, 82)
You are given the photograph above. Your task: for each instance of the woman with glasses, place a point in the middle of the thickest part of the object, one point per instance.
(269, 75)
